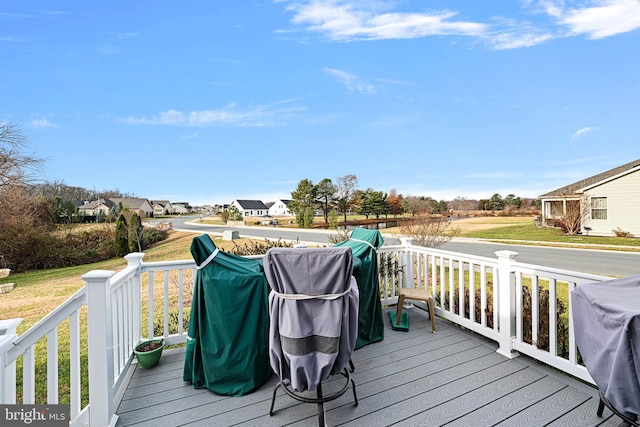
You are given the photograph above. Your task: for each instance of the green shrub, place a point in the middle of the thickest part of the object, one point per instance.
(121, 242)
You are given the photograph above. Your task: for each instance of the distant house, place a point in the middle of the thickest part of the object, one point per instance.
(251, 207)
(608, 201)
(180, 208)
(161, 207)
(97, 207)
(280, 208)
(140, 206)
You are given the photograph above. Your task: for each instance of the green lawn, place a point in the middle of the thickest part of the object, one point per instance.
(531, 233)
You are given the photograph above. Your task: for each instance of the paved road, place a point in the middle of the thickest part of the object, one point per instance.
(606, 263)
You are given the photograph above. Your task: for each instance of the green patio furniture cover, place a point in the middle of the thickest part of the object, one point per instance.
(228, 340)
(363, 244)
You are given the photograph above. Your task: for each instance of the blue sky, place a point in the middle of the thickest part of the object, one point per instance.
(211, 101)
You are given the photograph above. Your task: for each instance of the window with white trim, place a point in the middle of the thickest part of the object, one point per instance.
(598, 208)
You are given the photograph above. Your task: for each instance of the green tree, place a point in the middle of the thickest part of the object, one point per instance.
(512, 200)
(373, 203)
(497, 204)
(484, 204)
(326, 196)
(136, 233)
(333, 219)
(65, 211)
(121, 244)
(232, 214)
(441, 207)
(303, 201)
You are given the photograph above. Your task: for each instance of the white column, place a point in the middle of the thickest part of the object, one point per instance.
(408, 273)
(8, 376)
(100, 347)
(134, 259)
(506, 288)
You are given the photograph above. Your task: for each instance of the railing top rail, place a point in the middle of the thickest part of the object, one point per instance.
(565, 275)
(164, 265)
(177, 264)
(47, 324)
(440, 252)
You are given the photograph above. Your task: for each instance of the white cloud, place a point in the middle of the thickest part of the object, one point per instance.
(581, 132)
(369, 20)
(262, 115)
(350, 20)
(124, 35)
(43, 123)
(608, 18)
(351, 82)
(515, 40)
(108, 50)
(12, 39)
(193, 135)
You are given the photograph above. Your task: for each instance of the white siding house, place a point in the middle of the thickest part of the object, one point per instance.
(612, 198)
(280, 208)
(251, 207)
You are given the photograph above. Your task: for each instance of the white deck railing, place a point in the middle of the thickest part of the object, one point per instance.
(145, 300)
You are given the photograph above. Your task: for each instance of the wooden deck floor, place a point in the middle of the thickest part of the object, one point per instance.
(452, 378)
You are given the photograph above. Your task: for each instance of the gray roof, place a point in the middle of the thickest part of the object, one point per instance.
(95, 203)
(571, 189)
(252, 204)
(129, 202)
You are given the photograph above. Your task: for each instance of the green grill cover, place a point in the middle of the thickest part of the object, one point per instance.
(228, 340)
(363, 244)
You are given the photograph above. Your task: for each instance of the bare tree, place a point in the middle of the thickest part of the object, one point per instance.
(577, 214)
(429, 231)
(16, 167)
(346, 187)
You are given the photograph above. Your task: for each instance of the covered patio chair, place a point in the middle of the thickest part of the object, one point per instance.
(606, 316)
(363, 244)
(314, 310)
(227, 344)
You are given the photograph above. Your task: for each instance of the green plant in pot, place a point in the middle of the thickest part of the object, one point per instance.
(148, 353)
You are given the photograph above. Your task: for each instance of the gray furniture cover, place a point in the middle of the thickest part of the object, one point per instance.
(607, 330)
(313, 307)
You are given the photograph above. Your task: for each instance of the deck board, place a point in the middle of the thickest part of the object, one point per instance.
(453, 377)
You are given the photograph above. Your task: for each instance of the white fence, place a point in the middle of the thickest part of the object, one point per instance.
(499, 298)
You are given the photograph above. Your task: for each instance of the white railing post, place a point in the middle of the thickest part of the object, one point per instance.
(100, 347)
(134, 259)
(7, 374)
(407, 260)
(407, 272)
(506, 303)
